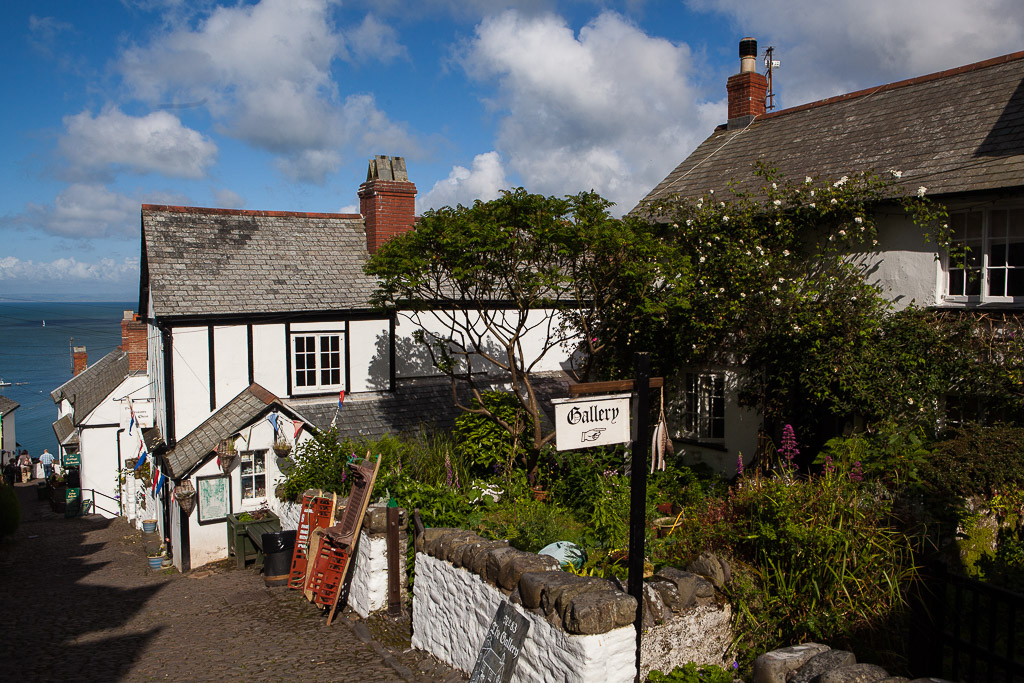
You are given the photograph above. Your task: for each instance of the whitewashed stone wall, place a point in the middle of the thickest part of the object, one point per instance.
(453, 607)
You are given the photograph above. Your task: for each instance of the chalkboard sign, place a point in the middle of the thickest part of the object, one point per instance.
(214, 498)
(500, 651)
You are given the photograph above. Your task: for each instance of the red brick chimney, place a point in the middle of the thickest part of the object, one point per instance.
(133, 341)
(79, 360)
(747, 89)
(387, 201)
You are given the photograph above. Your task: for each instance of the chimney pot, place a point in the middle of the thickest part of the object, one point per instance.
(79, 360)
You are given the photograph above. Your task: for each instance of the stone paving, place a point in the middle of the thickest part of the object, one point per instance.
(78, 602)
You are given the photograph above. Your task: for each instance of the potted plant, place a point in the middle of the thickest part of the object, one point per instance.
(282, 447)
(156, 558)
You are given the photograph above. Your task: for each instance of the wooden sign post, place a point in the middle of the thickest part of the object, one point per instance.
(501, 648)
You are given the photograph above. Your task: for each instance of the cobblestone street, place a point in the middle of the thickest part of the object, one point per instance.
(79, 603)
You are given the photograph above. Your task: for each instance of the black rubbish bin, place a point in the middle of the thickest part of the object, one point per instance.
(277, 556)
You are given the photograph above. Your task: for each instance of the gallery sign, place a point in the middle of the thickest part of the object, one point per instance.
(587, 422)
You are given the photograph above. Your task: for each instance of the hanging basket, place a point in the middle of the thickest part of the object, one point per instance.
(226, 461)
(185, 494)
(282, 450)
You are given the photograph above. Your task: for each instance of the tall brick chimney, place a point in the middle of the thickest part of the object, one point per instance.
(133, 341)
(747, 89)
(79, 360)
(387, 201)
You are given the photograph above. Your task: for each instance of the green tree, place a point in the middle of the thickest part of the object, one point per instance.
(485, 275)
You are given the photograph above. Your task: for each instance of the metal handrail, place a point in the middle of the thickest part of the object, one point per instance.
(98, 507)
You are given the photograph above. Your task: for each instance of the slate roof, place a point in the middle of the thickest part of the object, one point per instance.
(7, 405)
(199, 261)
(420, 403)
(249, 405)
(65, 430)
(88, 389)
(960, 130)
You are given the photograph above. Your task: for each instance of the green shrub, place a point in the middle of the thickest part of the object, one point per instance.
(531, 524)
(691, 673)
(484, 442)
(10, 510)
(976, 460)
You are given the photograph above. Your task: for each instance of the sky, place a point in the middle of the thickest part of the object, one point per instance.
(279, 104)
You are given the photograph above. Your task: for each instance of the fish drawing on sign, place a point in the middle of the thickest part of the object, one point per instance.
(592, 434)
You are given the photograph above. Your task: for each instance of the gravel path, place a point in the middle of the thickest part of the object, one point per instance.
(79, 603)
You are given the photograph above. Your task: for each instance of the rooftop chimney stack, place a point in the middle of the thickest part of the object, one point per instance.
(387, 201)
(79, 360)
(747, 89)
(134, 342)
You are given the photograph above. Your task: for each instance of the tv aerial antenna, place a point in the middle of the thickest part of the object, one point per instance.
(770, 64)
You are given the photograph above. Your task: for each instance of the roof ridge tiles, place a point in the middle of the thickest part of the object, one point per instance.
(247, 212)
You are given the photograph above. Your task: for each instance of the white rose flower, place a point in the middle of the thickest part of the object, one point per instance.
(842, 233)
(702, 259)
(812, 205)
(921, 190)
(778, 301)
(833, 201)
(858, 220)
(896, 174)
(807, 180)
(721, 290)
(785, 252)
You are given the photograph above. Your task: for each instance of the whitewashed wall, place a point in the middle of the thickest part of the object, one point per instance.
(268, 358)
(10, 433)
(190, 362)
(231, 361)
(452, 609)
(905, 266)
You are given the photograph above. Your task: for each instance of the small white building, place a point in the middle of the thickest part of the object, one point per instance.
(94, 415)
(8, 432)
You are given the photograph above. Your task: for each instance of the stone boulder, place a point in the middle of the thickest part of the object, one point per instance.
(820, 663)
(514, 565)
(775, 666)
(709, 566)
(855, 673)
(598, 611)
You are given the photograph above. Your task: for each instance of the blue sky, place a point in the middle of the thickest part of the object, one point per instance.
(278, 104)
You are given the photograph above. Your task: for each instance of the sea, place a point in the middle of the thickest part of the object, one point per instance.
(35, 357)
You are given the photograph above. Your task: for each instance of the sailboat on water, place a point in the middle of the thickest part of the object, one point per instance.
(44, 323)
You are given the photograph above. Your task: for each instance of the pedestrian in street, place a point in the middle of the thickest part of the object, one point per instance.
(47, 461)
(25, 463)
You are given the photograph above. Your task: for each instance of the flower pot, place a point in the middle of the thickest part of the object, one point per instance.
(155, 562)
(540, 494)
(149, 526)
(665, 525)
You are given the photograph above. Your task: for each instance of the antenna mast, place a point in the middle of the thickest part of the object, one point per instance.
(770, 64)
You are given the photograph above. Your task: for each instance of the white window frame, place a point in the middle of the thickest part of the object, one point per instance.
(300, 359)
(253, 475)
(982, 231)
(704, 406)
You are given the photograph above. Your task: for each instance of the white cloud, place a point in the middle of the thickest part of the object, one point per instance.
(84, 210)
(228, 199)
(264, 73)
(374, 40)
(828, 47)
(463, 185)
(610, 109)
(68, 270)
(155, 143)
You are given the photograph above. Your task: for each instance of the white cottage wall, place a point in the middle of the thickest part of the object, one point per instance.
(190, 363)
(905, 266)
(369, 355)
(230, 361)
(268, 358)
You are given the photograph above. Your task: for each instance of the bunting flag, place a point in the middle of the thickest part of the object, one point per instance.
(341, 398)
(298, 428)
(158, 482)
(273, 420)
(156, 478)
(141, 456)
(132, 422)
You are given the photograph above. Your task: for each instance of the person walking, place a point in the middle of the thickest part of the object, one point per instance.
(47, 461)
(25, 463)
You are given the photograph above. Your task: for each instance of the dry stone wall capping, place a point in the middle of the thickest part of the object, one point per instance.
(581, 628)
(817, 663)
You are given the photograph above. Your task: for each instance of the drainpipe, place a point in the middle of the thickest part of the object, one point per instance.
(120, 486)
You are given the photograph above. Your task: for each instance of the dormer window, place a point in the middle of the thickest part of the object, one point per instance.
(986, 261)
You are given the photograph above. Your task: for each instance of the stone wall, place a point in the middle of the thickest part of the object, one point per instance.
(581, 628)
